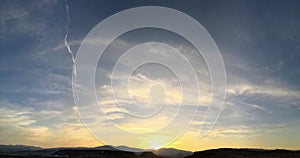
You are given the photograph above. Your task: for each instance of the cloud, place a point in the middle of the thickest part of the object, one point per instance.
(43, 83)
(25, 125)
(15, 114)
(271, 91)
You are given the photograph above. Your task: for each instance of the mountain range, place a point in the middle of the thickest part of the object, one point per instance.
(32, 150)
(107, 151)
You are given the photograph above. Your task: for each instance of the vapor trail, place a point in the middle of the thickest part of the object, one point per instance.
(67, 34)
(75, 109)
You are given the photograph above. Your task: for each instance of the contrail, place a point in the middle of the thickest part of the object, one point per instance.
(67, 34)
(75, 108)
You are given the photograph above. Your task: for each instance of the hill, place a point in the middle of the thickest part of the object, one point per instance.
(106, 151)
(245, 153)
(171, 152)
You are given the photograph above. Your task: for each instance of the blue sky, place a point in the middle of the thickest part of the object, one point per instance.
(259, 42)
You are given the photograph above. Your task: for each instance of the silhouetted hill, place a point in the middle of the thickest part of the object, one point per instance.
(13, 148)
(103, 154)
(105, 147)
(106, 151)
(126, 148)
(95, 154)
(171, 152)
(26, 156)
(148, 154)
(245, 153)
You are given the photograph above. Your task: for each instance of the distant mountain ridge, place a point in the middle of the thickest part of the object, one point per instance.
(172, 152)
(5, 148)
(245, 153)
(105, 147)
(107, 151)
(132, 149)
(31, 150)
(71, 153)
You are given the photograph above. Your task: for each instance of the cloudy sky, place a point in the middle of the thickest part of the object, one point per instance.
(259, 42)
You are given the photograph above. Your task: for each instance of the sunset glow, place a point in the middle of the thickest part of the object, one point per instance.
(67, 81)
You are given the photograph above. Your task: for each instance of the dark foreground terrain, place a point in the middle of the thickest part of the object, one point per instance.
(245, 153)
(118, 152)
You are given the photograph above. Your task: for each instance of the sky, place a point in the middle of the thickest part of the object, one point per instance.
(259, 41)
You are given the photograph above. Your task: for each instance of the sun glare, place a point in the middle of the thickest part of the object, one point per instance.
(155, 142)
(155, 146)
